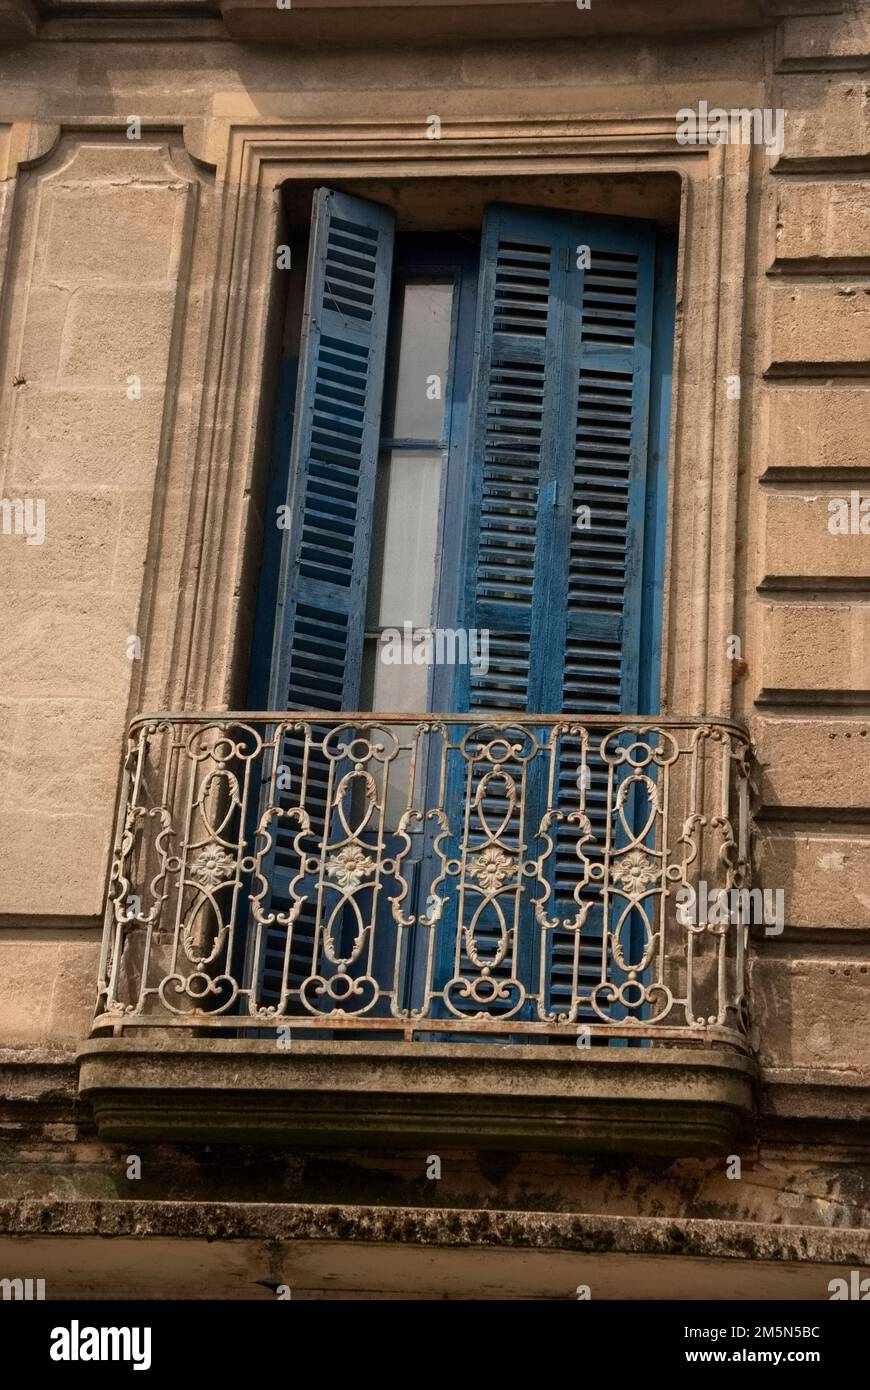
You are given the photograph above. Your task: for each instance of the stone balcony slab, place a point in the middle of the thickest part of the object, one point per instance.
(655, 1100)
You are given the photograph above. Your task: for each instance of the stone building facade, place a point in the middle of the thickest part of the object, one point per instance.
(153, 160)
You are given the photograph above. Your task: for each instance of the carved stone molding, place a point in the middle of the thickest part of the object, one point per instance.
(24, 144)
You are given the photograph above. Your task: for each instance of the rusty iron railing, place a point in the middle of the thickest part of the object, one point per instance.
(429, 877)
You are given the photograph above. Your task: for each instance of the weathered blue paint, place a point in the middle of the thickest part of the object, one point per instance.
(325, 558)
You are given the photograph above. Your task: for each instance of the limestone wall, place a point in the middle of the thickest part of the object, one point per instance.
(136, 351)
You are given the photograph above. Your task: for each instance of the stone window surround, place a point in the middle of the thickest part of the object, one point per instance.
(237, 370)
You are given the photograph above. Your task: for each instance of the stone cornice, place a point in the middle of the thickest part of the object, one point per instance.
(689, 1237)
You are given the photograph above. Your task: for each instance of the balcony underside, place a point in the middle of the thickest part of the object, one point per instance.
(658, 1101)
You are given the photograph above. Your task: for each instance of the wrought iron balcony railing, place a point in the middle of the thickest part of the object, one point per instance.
(431, 876)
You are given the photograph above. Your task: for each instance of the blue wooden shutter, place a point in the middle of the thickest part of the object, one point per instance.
(513, 449)
(598, 625)
(609, 402)
(561, 420)
(319, 622)
(321, 603)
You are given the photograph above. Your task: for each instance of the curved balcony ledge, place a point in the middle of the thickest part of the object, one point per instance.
(665, 1102)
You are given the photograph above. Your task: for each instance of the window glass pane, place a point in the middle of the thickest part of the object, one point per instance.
(393, 687)
(404, 540)
(422, 353)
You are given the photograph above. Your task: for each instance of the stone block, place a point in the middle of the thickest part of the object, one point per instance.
(814, 762)
(816, 647)
(811, 1013)
(124, 232)
(54, 860)
(66, 754)
(64, 644)
(78, 550)
(114, 333)
(828, 221)
(820, 323)
(799, 545)
(827, 116)
(818, 427)
(47, 988)
(820, 37)
(91, 437)
(825, 878)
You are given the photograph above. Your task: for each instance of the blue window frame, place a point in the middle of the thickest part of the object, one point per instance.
(556, 398)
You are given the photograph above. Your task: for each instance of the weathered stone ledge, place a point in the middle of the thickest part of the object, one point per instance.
(37, 1073)
(658, 1101)
(437, 1227)
(837, 1099)
(837, 1102)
